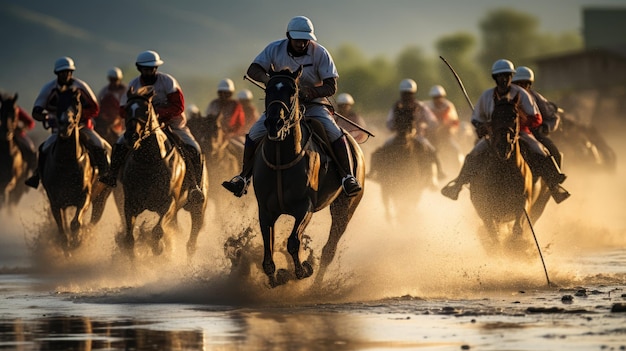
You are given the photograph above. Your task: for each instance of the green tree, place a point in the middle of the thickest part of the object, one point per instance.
(413, 63)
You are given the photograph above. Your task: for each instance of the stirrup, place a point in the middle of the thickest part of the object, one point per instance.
(350, 185)
(559, 194)
(238, 185)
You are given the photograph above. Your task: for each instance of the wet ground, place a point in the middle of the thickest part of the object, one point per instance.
(420, 283)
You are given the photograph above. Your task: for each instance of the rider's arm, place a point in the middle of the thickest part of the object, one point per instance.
(258, 73)
(174, 107)
(328, 88)
(25, 118)
(38, 113)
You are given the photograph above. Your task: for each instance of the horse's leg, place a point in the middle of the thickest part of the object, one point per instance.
(158, 232)
(77, 221)
(293, 245)
(127, 243)
(266, 222)
(100, 194)
(197, 221)
(341, 211)
(59, 215)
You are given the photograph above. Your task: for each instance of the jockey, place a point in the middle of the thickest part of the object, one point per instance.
(317, 83)
(22, 140)
(538, 157)
(169, 104)
(233, 118)
(109, 98)
(345, 107)
(45, 108)
(411, 116)
(444, 110)
(524, 77)
(250, 110)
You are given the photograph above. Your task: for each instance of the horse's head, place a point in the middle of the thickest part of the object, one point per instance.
(69, 111)
(141, 119)
(8, 116)
(504, 127)
(282, 108)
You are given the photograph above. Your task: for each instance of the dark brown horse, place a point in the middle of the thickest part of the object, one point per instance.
(504, 190)
(153, 175)
(68, 176)
(13, 169)
(294, 175)
(403, 167)
(222, 155)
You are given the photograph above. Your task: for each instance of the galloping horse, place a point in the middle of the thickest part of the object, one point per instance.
(223, 156)
(68, 176)
(12, 166)
(403, 167)
(294, 175)
(505, 190)
(153, 175)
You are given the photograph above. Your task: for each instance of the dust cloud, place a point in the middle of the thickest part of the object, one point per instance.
(436, 252)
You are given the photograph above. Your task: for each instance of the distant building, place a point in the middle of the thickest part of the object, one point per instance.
(601, 64)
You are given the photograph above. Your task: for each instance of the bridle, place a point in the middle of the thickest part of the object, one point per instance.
(147, 122)
(293, 117)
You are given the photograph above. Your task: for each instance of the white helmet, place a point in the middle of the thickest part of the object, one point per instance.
(63, 64)
(301, 27)
(437, 90)
(226, 85)
(193, 109)
(502, 66)
(245, 94)
(115, 73)
(524, 73)
(345, 99)
(149, 58)
(408, 85)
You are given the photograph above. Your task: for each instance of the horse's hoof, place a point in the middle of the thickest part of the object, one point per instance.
(282, 277)
(305, 272)
(157, 248)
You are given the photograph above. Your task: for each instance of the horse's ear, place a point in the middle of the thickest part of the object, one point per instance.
(15, 98)
(272, 70)
(130, 92)
(299, 71)
(517, 98)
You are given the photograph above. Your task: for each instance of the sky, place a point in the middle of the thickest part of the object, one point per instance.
(199, 38)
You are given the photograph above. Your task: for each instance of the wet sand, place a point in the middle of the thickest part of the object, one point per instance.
(420, 283)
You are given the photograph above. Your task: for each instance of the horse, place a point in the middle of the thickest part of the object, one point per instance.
(223, 157)
(294, 175)
(404, 167)
(13, 168)
(505, 193)
(154, 175)
(68, 177)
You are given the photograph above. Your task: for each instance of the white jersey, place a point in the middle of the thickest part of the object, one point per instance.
(45, 96)
(164, 85)
(317, 64)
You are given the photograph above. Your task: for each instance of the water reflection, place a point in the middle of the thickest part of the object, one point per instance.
(84, 334)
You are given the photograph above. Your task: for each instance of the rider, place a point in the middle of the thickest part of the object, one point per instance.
(169, 104)
(22, 140)
(45, 109)
(109, 99)
(345, 108)
(409, 114)
(250, 110)
(524, 77)
(318, 81)
(538, 157)
(233, 118)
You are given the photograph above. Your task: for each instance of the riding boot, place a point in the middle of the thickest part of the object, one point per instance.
(33, 181)
(551, 174)
(101, 160)
(238, 185)
(351, 186)
(467, 172)
(118, 157)
(193, 160)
